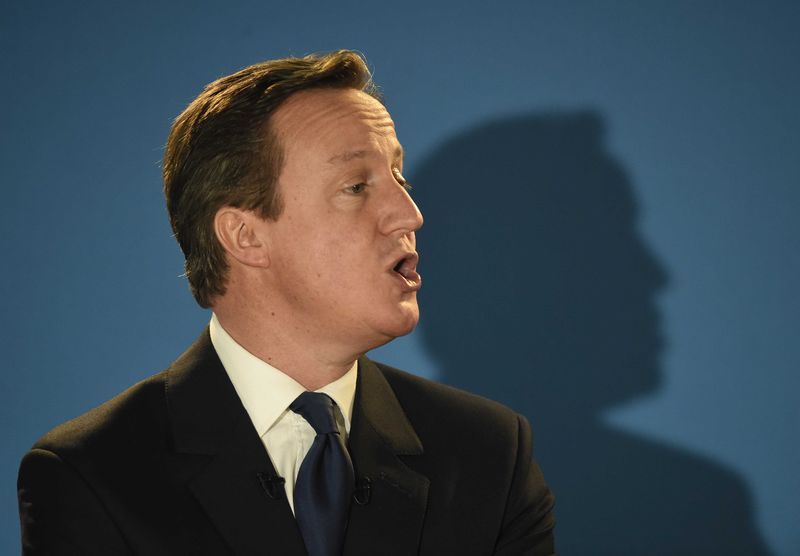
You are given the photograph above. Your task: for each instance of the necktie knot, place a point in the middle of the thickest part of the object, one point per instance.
(317, 409)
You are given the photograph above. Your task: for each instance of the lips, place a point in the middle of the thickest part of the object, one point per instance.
(405, 268)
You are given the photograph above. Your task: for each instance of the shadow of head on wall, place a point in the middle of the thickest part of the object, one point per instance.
(533, 265)
(539, 292)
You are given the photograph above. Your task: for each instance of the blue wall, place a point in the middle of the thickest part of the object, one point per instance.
(611, 193)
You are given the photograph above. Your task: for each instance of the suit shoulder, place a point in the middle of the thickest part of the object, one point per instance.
(130, 417)
(428, 398)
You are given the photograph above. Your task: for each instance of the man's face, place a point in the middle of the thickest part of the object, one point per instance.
(343, 251)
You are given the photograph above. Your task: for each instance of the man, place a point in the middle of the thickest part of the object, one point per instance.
(285, 189)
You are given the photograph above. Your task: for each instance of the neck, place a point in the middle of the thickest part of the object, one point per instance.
(297, 352)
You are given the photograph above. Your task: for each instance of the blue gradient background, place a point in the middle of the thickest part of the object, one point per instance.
(698, 102)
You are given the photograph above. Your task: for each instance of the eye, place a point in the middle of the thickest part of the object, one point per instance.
(356, 188)
(401, 180)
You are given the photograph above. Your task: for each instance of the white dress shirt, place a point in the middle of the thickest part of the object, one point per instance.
(266, 394)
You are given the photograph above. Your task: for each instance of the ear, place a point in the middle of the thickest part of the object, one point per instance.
(242, 234)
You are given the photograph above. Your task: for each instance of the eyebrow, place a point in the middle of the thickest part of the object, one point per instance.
(350, 155)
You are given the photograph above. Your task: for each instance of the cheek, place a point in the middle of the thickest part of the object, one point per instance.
(346, 246)
(327, 262)
(322, 246)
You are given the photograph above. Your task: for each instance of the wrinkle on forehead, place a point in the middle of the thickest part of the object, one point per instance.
(318, 113)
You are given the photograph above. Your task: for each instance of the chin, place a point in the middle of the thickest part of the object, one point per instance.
(399, 324)
(401, 329)
(411, 314)
(408, 329)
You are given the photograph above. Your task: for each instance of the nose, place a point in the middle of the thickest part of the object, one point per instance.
(401, 213)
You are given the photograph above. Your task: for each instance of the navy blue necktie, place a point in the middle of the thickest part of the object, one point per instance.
(325, 481)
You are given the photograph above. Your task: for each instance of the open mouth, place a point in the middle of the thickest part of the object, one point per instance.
(406, 269)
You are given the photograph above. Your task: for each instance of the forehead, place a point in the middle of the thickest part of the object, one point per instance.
(331, 122)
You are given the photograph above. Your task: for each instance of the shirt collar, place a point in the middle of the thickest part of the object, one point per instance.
(267, 392)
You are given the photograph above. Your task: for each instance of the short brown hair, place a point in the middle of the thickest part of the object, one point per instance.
(222, 151)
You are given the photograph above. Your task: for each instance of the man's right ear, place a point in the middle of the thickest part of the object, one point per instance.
(242, 233)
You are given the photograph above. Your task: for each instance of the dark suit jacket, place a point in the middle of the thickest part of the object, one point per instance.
(174, 466)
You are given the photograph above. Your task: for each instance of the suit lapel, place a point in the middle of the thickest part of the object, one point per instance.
(390, 522)
(209, 420)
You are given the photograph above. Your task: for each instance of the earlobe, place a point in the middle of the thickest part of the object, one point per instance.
(240, 234)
